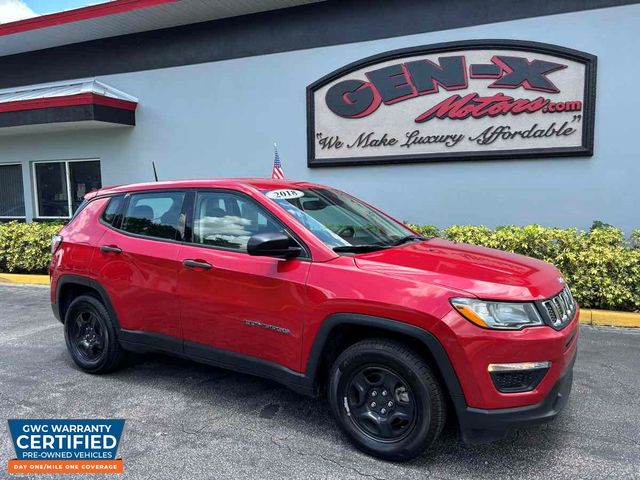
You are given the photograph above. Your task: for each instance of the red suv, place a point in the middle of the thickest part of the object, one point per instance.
(315, 289)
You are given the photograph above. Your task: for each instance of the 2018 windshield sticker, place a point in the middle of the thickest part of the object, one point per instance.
(284, 194)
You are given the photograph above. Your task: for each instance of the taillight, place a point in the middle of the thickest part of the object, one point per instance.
(56, 241)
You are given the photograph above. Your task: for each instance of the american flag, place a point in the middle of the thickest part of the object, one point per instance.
(277, 165)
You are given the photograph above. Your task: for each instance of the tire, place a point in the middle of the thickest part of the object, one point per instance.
(90, 335)
(404, 422)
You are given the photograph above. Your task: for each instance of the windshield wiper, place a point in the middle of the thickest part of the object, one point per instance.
(358, 248)
(408, 238)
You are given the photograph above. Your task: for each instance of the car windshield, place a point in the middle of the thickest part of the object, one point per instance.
(340, 220)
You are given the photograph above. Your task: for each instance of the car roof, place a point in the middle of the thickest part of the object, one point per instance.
(232, 183)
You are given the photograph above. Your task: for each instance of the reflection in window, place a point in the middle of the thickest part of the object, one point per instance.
(339, 219)
(111, 212)
(227, 220)
(157, 215)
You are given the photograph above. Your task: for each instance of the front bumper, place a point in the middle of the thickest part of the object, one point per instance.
(487, 425)
(472, 349)
(486, 414)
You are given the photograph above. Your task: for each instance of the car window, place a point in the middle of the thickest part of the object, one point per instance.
(338, 219)
(111, 212)
(157, 215)
(78, 210)
(228, 220)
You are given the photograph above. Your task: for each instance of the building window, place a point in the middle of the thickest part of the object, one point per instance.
(11, 191)
(61, 186)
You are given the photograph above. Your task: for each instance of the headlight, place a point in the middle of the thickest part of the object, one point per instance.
(497, 315)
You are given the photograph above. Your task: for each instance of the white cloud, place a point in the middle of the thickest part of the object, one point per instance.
(12, 10)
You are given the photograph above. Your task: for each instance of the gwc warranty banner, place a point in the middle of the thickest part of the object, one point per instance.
(486, 99)
(65, 446)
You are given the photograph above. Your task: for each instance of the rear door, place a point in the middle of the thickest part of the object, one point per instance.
(231, 300)
(137, 260)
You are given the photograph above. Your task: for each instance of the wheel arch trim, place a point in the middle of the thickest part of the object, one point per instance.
(86, 282)
(426, 338)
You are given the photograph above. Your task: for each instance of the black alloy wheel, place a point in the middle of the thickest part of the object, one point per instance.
(87, 336)
(387, 399)
(90, 335)
(381, 403)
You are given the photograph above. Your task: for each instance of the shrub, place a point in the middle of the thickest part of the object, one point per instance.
(425, 230)
(601, 266)
(26, 247)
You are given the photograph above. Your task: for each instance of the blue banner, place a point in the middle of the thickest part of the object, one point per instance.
(43, 439)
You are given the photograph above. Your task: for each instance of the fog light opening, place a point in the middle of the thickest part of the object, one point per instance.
(517, 377)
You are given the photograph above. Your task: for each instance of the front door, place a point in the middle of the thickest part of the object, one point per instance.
(233, 301)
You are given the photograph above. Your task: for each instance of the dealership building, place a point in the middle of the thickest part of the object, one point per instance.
(442, 111)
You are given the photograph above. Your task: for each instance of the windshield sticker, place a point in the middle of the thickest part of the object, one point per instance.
(285, 194)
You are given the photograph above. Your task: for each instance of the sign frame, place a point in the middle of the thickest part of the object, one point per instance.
(588, 111)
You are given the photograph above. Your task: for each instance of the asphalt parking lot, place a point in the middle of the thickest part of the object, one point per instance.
(185, 420)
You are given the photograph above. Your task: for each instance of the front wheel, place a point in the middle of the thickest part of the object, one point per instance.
(90, 335)
(387, 399)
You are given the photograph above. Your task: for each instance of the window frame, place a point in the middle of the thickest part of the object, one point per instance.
(66, 163)
(24, 203)
(264, 210)
(117, 224)
(188, 209)
(125, 206)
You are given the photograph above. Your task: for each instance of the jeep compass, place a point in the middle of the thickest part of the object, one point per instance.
(310, 287)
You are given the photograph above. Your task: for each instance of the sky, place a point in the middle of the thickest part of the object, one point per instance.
(12, 10)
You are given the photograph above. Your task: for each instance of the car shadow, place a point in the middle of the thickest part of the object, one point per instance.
(241, 395)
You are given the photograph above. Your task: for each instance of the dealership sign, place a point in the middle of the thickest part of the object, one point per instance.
(487, 99)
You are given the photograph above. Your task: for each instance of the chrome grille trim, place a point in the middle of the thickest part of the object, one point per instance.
(560, 308)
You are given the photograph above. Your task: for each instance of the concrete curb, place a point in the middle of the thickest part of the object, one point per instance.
(610, 318)
(24, 278)
(587, 316)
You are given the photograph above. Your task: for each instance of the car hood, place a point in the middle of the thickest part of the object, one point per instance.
(483, 272)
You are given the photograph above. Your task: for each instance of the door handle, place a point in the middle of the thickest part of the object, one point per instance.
(110, 249)
(196, 264)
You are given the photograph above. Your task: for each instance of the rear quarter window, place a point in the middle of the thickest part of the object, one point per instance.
(78, 210)
(112, 211)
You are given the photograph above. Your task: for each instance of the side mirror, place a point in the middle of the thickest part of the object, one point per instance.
(273, 244)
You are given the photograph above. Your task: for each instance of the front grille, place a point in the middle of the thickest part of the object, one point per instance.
(560, 309)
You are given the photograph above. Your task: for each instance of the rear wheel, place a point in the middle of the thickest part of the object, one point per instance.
(387, 399)
(90, 336)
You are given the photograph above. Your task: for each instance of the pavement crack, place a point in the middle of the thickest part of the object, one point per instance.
(323, 457)
(194, 432)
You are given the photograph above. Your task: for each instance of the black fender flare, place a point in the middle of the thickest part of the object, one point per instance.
(431, 343)
(86, 282)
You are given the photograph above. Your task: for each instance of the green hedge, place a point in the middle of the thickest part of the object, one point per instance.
(26, 247)
(601, 265)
